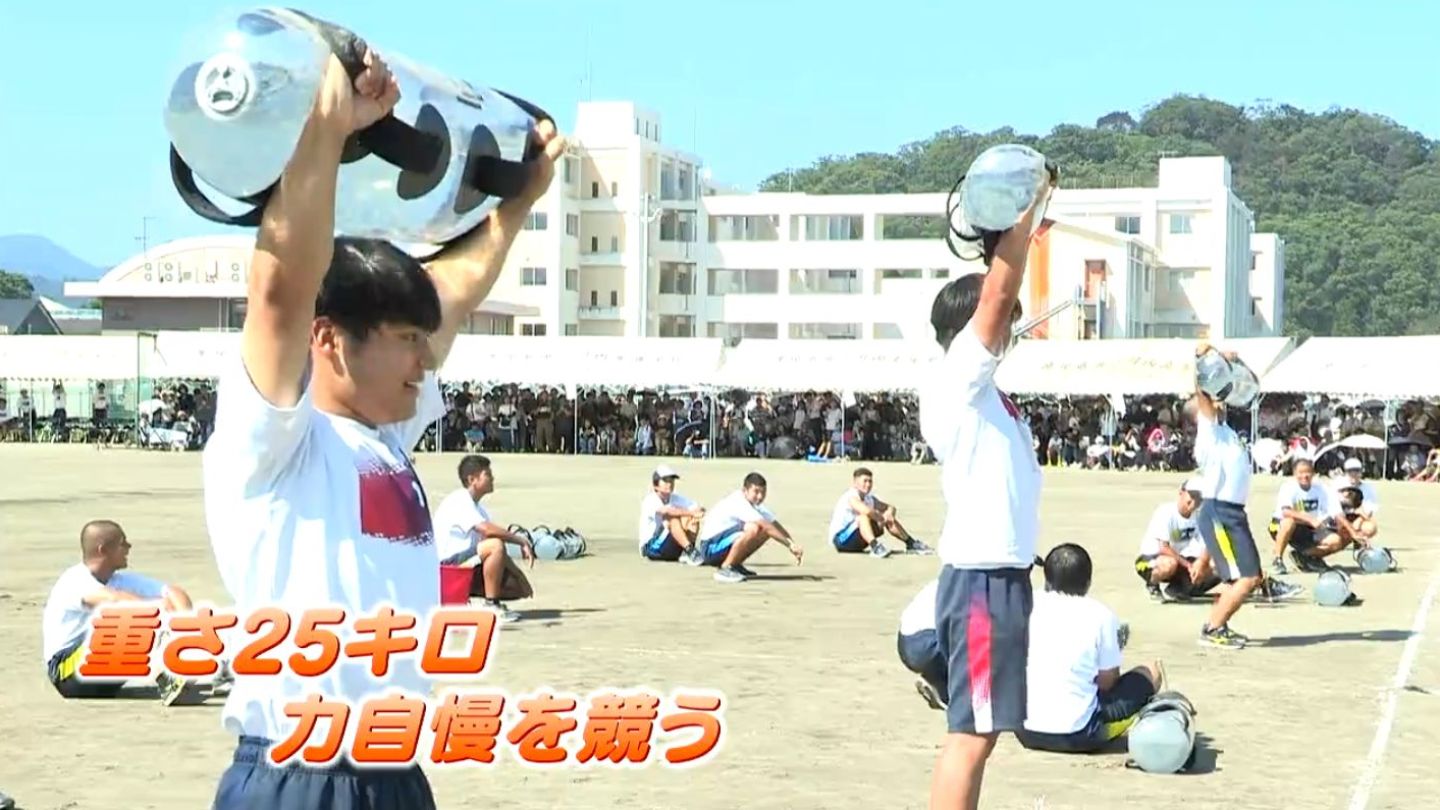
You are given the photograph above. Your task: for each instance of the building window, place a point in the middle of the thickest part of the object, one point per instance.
(1254, 259)
(614, 244)
(677, 226)
(569, 170)
(735, 332)
(898, 274)
(888, 331)
(803, 282)
(940, 273)
(1127, 224)
(532, 329)
(594, 191)
(572, 329)
(677, 278)
(735, 228)
(677, 326)
(825, 331)
(1181, 223)
(537, 221)
(724, 281)
(572, 224)
(614, 298)
(614, 189)
(827, 227)
(532, 277)
(572, 279)
(594, 298)
(594, 244)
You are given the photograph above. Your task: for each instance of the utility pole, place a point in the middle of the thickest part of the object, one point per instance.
(144, 237)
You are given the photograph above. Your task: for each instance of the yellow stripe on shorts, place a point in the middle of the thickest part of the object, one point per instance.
(1114, 730)
(1227, 548)
(71, 663)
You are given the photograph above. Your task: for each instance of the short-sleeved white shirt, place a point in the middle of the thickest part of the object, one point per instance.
(67, 618)
(1316, 502)
(919, 615)
(651, 521)
(1370, 501)
(1072, 639)
(1170, 528)
(1225, 465)
(843, 516)
(989, 471)
(731, 512)
(455, 523)
(308, 509)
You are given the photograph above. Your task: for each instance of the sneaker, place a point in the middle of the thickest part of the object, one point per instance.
(1308, 565)
(1155, 593)
(1277, 567)
(503, 614)
(1282, 591)
(878, 549)
(913, 546)
(1221, 637)
(744, 572)
(176, 690)
(692, 557)
(932, 698)
(6, 803)
(728, 575)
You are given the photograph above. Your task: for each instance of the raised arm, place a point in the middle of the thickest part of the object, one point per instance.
(1001, 289)
(296, 237)
(466, 270)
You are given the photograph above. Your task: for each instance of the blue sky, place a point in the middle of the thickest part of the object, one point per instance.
(752, 86)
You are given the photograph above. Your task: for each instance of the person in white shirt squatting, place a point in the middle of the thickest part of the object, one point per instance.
(737, 527)
(1309, 520)
(669, 521)
(99, 580)
(310, 496)
(990, 476)
(1225, 472)
(466, 536)
(1078, 701)
(1365, 526)
(1172, 552)
(859, 519)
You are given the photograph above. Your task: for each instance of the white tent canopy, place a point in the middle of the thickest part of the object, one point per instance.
(830, 365)
(1378, 367)
(1130, 367)
(593, 361)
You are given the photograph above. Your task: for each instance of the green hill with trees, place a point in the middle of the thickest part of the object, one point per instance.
(1356, 197)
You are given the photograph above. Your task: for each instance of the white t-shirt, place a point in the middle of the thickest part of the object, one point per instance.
(833, 419)
(844, 515)
(305, 510)
(731, 512)
(1072, 639)
(1169, 528)
(651, 521)
(989, 472)
(1370, 503)
(455, 523)
(919, 615)
(1315, 501)
(1223, 460)
(66, 619)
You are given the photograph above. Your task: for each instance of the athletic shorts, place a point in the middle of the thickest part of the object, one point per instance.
(252, 782)
(849, 540)
(920, 653)
(1302, 536)
(1145, 562)
(717, 548)
(662, 547)
(62, 670)
(1118, 710)
(982, 623)
(1226, 530)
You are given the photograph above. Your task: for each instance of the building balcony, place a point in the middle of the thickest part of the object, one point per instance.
(598, 313)
(603, 259)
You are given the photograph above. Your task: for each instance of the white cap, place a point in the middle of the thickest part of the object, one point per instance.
(1353, 464)
(1191, 484)
(662, 472)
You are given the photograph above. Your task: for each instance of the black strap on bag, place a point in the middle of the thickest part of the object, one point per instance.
(421, 152)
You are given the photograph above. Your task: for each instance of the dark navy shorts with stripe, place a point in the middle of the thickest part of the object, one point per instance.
(1226, 529)
(1118, 710)
(982, 624)
(252, 782)
(920, 653)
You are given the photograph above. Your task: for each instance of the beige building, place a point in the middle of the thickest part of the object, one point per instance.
(1180, 259)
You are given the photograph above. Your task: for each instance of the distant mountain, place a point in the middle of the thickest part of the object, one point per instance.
(46, 264)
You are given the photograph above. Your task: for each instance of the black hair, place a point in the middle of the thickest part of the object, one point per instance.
(754, 479)
(862, 471)
(471, 466)
(1351, 497)
(372, 282)
(1304, 462)
(1068, 570)
(954, 306)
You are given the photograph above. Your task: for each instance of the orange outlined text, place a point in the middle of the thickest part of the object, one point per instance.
(544, 729)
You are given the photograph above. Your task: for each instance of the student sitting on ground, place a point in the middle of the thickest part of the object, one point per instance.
(100, 580)
(669, 521)
(860, 519)
(1077, 700)
(466, 536)
(737, 527)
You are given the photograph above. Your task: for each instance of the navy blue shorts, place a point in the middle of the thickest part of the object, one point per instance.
(252, 782)
(1118, 710)
(1226, 529)
(717, 548)
(850, 540)
(982, 624)
(920, 653)
(662, 547)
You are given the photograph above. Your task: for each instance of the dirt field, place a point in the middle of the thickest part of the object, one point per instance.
(820, 712)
